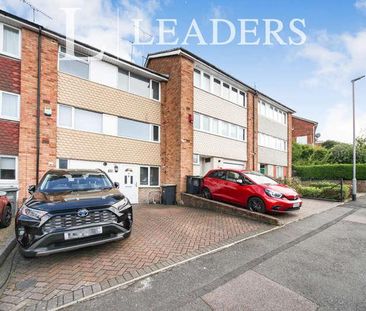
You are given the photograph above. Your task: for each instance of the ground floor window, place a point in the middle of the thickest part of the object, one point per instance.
(280, 172)
(63, 163)
(149, 176)
(8, 166)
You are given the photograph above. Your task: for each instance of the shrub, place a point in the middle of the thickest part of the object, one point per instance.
(331, 191)
(329, 171)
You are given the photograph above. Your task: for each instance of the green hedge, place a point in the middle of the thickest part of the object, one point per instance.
(329, 171)
(330, 192)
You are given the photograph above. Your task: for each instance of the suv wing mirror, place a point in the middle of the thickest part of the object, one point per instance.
(240, 181)
(31, 189)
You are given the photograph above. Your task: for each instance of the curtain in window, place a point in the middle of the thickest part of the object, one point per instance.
(9, 106)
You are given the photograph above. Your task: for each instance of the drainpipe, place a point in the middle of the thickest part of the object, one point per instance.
(38, 102)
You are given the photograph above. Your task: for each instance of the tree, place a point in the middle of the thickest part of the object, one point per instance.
(329, 144)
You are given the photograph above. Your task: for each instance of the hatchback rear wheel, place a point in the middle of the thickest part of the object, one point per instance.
(206, 194)
(256, 204)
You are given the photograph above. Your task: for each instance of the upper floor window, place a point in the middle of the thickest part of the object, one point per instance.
(76, 65)
(139, 85)
(268, 141)
(80, 119)
(10, 41)
(218, 127)
(138, 130)
(272, 112)
(215, 86)
(9, 106)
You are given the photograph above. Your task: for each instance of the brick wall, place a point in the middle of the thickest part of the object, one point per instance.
(176, 110)
(9, 75)
(9, 137)
(9, 82)
(28, 114)
(303, 128)
(252, 131)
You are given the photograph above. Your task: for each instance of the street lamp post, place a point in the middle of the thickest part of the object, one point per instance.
(354, 180)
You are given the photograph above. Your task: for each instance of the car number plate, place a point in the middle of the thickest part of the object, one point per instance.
(296, 204)
(82, 233)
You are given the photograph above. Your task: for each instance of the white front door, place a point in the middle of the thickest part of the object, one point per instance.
(129, 184)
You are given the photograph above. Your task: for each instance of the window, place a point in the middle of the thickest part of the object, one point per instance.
(197, 121)
(206, 82)
(149, 176)
(279, 172)
(154, 176)
(197, 78)
(76, 65)
(226, 91)
(139, 85)
(271, 112)
(233, 176)
(272, 142)
(196, 159)
(63, 164)
(11, 41)
(65, 116)
(215, 126)
(89, 121)
(156, 133)
(218, 174)
(155, 86)
(242, 99)
(205, 123)
(224, 128)
(9, 105)
(144, 176)
(302, 140)
(123, 80)
(218, 127)
(217, 87)
(234, 95)
(7, 168)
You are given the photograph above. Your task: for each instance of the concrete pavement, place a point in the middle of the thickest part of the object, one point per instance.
(314, 263)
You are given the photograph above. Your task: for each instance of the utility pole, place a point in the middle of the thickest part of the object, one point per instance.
(354, 179)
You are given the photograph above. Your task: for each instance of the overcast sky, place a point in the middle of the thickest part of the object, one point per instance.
(313, 79)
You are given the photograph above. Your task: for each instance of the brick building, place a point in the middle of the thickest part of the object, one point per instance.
(303, 130)
(145, 126)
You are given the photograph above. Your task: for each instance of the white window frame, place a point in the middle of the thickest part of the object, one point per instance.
(2, 41)
(87, 61)
(72, 117)
(272, 112)
(196, 159)
(222, 82)
(148, 176)
(7, 181)
(271, 142)
(17, 118)
(152, 133)
(220, 126)
(151, 89)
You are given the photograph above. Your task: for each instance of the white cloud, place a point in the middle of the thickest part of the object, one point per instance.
(360, 4)
(99, 23)
(337, 59)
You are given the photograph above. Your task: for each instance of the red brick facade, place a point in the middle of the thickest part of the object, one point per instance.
(9, 137)
(252, 131)
(303, 127)
(9, 75)
(176, 127)
(288, 172)
(28, 115)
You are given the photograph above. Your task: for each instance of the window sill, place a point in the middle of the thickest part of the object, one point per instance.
(12, 56)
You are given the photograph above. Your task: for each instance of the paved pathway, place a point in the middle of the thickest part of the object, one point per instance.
(161, 236)
(317, 263)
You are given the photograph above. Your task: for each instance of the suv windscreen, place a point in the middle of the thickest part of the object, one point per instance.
(74, 182)
(261, 179)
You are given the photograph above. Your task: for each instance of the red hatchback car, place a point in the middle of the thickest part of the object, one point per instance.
(249, 189)
(5, 210)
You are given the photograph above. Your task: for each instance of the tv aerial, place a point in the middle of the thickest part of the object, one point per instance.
(35, 10)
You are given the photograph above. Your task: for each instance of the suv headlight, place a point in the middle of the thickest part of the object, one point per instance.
(273, 194)
(33, 213)
(122, 205)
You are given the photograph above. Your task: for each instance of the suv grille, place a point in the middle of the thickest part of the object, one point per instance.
(73, 220)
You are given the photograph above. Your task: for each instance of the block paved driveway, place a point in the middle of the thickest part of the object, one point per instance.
(162, 235)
